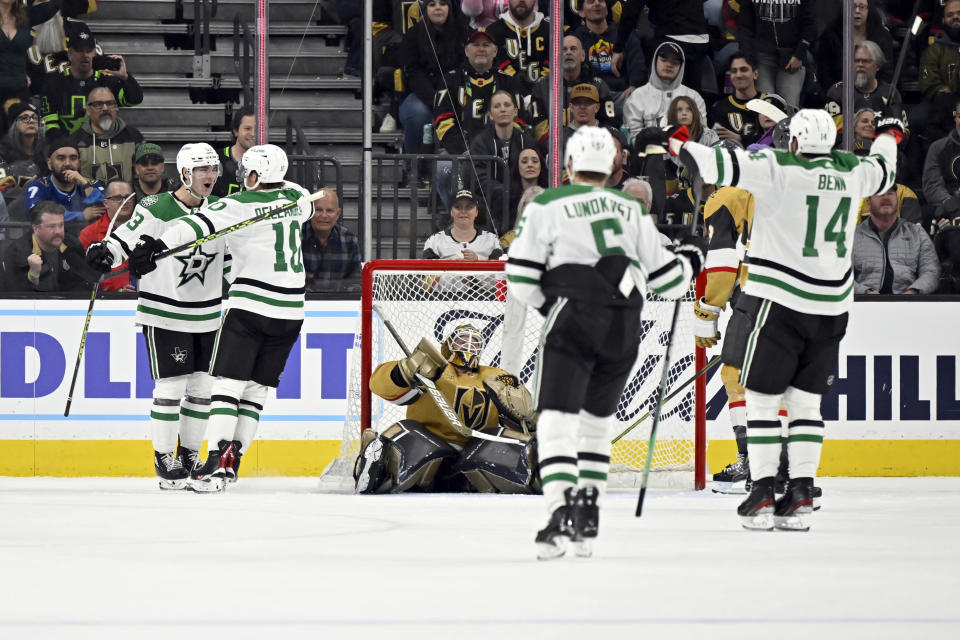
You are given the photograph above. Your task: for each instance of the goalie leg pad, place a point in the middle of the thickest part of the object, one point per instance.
(742, 320)
(499, 467)
(410, 459)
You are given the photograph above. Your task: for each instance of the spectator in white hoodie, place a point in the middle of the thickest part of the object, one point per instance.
(648, 105)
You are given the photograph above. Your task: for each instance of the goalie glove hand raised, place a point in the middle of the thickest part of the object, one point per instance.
(705, 332)
(425, 360)
(514, 403)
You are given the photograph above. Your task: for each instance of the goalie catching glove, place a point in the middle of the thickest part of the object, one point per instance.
(513, 402)
(425, 360)
(705, 331)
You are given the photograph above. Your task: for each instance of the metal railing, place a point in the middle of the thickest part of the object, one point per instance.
(203, 10)
(242, 62)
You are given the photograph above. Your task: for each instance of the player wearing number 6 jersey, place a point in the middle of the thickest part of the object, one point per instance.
(584, 256)
(799, 290)
(264, 310)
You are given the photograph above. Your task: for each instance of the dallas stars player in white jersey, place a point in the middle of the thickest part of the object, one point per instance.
(583, 256)
(264, 310)
(800, 281)
(179, 310)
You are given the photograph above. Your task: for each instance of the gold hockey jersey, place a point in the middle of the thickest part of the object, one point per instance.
(728, 214)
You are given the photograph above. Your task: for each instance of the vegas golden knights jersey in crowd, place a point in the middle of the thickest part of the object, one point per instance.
(469, 105)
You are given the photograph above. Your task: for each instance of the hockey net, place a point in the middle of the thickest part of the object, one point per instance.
(428, 298)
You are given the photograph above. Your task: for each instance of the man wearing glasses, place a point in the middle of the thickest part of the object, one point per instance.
(105, 142)
(119, 202)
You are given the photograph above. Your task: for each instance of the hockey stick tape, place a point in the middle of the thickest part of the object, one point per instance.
(765, 108)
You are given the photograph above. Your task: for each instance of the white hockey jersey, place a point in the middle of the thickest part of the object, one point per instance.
(184, 292)
(801, 242)
(579, 224)
(443, 245)
(267, 269)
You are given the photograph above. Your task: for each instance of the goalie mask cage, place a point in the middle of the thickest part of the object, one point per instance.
(428, 298)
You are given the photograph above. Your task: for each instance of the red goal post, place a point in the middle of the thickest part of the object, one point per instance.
(427, 298)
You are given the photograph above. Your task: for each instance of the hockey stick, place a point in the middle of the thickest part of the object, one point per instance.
(86, 322)
(437, 396)
(243, 224)
(914, 28)
(673, 394)
(698, 198)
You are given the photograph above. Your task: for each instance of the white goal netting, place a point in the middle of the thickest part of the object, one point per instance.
(423, 298)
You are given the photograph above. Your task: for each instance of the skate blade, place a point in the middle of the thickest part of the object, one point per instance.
(762, 521)
(370, 455)
(172, 485)
(721, 486)
(790, 523)
(210, 484)
(552, 550)
(583, 548)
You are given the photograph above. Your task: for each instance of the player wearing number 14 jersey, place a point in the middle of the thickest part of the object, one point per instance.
(800, 284)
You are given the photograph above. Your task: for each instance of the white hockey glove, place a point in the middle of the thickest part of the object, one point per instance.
(425, 360)
(705, 331)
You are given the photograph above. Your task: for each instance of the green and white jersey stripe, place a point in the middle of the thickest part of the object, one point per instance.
(267, 267)
(184, 292)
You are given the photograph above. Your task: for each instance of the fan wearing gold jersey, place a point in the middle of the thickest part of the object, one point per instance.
(424, 452)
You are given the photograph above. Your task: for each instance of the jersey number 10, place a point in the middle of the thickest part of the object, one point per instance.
(280, 246)
(834, 232)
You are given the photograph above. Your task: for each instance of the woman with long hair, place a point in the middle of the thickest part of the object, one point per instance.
(527, 169)
(16, 20)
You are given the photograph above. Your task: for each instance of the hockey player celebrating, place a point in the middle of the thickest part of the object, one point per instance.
(799, 290)
(424, 452)
(264, 311)
(179, 310)
(583, 256)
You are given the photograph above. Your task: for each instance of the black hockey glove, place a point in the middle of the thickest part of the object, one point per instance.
(143, 258)
(99, 257)
(694, 248)
(893, 126)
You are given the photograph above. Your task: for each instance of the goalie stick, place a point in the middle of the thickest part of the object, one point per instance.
(448, 413)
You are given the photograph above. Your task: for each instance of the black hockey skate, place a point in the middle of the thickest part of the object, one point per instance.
(553, 540)
(756, 512)
(795, 506)
(211, 476)
(189, 458)
(734, 473)
(170, 471)
(586, 520)
(234, 469)
(780, 487)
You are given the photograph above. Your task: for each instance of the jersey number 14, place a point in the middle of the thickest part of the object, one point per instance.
(834, 232)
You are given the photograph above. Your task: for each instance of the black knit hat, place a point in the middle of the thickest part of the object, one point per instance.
(17, 109)
(61, 142)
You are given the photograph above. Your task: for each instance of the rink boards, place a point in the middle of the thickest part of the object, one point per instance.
(894, 410)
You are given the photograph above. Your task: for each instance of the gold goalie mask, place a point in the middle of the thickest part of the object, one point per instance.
(463, 346)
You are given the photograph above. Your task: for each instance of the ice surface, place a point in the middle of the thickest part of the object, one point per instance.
(274, 558)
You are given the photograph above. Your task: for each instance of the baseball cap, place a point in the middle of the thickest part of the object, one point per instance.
(147, 149)
(584, 90)
(79, 35)
(465, 194)
(619, 136)
(670, 50)
(481, 33)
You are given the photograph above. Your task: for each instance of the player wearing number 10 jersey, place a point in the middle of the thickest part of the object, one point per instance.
(800, 286)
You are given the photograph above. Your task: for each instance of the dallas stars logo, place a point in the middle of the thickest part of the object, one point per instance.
(179, 355)
(195, 265)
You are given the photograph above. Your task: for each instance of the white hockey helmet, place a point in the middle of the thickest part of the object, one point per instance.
(193, 155)
(814, 131)
(268, 160)
(590, 149)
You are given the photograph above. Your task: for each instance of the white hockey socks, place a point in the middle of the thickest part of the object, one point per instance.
(251, 406)
(224, 402)
(195, 410)
(593, 452)
(557, 449)
(165, 412)
(763, 433)
(805, 439)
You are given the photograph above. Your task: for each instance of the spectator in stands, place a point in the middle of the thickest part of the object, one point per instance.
(16, 20)
(429, 48)
(679, 22)
(63, 94)
(462, 240)
(640, 190)
(504, 139)
(767, 123)
(584, 107)
(523, 39)
(106, 143)
(619, 174)
(908, 206)
(149, 169)
(22, 156)
(528, 169)
(49, 259)
(244, 127)
(864, 131)
(331, 254)
(119, 202)
(867, 25)
(683, 110)
(483, 13)
(891, 255)
(647, 106)
(778, 33)
(575, 71)
(941, 180)
(870, 93)
(598, 38)
(81, 198)
(730, 115)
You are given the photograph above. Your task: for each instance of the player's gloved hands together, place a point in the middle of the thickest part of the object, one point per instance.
(893, 126)
(425, 360)
(693, 247)
(99, 257)
(705, 332)
(143, 258)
